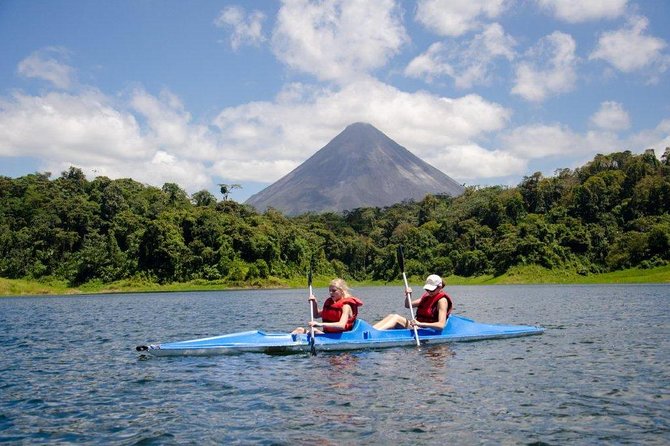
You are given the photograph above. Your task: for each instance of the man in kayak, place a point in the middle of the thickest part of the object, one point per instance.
(432, 309)
(339, 310)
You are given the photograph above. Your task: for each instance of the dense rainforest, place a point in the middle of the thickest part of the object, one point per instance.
(612, 213)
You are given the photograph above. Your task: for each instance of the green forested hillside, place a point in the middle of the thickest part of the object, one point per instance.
(611, 214)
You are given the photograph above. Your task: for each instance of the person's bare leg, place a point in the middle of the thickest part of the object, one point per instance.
(301, 330)
(391, 321)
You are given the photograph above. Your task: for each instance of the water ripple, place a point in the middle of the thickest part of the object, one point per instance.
(70, 375)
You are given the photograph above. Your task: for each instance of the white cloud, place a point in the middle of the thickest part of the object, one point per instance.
(287, 131)
(168, 168)
(245, 28)
(577, 11)
(470, 161)
(265, 171)
(86, 127)
(338, 40)
(657, 138)
(611, 116)
(539, 142)
(549, 68)
(456, 17)
(629, 49)
(169, 127)
(431, 64)
(543, 140)
(154, 140)
(104, 137)
(469, 63)
(46, 64)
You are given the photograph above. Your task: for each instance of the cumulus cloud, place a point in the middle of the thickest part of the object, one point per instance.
(541, 140)
(578, 11)
(245, 29)
(456, 17)
(153, 139)
(549, 68)
(657, 138)
(284, 132)
(611, 116)
(169, 127)
(47, 64)
(629, 49)
(104, 137)
(431, 64)
(471, 162)
(338, 40)
(85, 126)
(468, 63)
(552, 140)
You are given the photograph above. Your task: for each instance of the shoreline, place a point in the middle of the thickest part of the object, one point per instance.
(527, 275)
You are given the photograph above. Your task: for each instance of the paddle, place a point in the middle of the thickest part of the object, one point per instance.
(401, 263)
(312, 347)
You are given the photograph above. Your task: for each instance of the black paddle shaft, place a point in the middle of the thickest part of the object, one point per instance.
(401, 264)
(401, 259)
(312, 347)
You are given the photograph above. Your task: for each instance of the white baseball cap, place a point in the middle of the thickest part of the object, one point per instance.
(433, 281)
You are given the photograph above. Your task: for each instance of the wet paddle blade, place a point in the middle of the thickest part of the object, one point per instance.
(401, 259)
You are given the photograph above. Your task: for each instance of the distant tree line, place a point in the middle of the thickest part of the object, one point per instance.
(610, 214)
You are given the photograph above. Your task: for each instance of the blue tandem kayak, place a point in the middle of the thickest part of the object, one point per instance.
(362, 336)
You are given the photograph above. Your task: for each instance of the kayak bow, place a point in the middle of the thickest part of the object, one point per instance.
(362, 336)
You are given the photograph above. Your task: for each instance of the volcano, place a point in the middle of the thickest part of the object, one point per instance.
(360, 167)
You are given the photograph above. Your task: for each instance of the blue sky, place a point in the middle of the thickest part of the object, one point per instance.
(206, 92)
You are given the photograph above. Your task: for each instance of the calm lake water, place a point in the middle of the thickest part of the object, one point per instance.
(600, 374)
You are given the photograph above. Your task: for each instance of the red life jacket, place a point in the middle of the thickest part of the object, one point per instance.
(332, 312)
(427, 310)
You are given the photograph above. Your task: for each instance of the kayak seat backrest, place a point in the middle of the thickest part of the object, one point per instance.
(360, 329)
(361, 325)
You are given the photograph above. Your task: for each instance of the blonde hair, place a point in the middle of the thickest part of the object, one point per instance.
(341, 285)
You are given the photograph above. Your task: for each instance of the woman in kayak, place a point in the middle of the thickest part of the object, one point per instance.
(339, 310)
(432, 309)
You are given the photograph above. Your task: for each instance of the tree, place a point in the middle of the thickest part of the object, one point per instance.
(531, 193)
(203, 198)
(666, 157)
(598, 194)
(227, 188)
(612, 213)
(176, 196)
(651, 196)
(162, 251)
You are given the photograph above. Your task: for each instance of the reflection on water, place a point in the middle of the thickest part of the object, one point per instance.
(439, 353)
(598, 375)
(341, 368)
(438, 358)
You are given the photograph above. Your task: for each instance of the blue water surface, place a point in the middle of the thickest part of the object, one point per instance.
(600, 374)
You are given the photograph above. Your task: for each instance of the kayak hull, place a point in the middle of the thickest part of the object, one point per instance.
(362, 336)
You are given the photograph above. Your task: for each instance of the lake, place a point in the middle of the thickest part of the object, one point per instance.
(600, 374)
